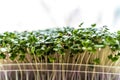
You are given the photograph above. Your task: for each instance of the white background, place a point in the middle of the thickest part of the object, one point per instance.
(23, 15)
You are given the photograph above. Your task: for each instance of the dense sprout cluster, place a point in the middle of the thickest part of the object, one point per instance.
(55, 45)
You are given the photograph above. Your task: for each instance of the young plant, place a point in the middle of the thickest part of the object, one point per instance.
(91, 45)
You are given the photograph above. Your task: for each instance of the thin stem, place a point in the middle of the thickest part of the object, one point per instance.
(87, 60)
(19, 69)
(29, 61)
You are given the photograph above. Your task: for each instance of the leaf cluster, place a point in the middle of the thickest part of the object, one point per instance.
(60, 41)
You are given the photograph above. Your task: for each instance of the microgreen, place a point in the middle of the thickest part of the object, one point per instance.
(64, 41)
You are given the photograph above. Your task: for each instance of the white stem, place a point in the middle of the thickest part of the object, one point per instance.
(6, 77)
(16, 73)
(27, 76)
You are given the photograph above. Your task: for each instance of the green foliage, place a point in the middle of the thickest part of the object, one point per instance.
(93, 25)
(114, 58)
(2, 56)
(60, 41)
(96, 60)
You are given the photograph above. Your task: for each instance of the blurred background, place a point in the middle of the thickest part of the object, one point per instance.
(30, 15)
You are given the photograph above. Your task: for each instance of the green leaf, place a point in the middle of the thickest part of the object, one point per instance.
(59, 45)
(96, 61)
(89, 48)
(56, 49)
(99, 46)
(93, 25)
(51, 59)
(114, 59)
(110, 56)
(22, 57)
(43, 47)
(84, 48)
(118, 54)
(32, 49)
(81, 24)
(13, 56)
(2, 56)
